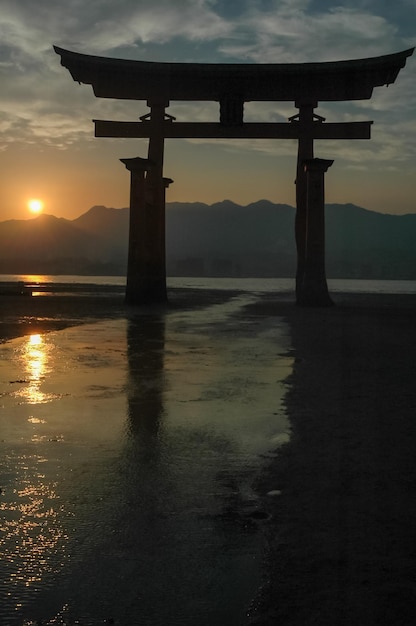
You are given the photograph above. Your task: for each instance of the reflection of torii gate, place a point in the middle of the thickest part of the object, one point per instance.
(231, 85)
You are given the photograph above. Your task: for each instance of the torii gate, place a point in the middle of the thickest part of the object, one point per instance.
(231, 85)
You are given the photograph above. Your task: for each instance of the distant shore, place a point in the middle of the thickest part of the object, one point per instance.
(341, 531)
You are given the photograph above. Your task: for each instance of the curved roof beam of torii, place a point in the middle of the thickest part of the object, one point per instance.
(298, 82)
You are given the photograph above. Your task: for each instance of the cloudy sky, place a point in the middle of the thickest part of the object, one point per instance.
(47, 147)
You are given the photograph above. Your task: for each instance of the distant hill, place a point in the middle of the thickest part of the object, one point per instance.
(222, 239)
(51, 245)
(366, 244)
(110, 225)
(228, 239)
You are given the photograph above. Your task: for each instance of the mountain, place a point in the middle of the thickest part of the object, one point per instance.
(228, 239)
(47, 244)
(110, 225)
(366, 244)
(43, 235)
(222, 239)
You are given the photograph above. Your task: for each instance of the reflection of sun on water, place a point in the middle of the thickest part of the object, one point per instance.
(34, 278)
(36, 360)
(34, 354)
(32, 536)
(31, 530)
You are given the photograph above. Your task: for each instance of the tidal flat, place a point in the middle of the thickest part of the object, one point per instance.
(131, 440)
(228, 459)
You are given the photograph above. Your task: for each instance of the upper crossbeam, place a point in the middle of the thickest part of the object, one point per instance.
(248, 130)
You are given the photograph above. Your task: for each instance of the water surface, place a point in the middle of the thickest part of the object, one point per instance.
(129, 449)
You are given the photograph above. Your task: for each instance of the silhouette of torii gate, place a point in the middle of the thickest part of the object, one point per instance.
(231, 85)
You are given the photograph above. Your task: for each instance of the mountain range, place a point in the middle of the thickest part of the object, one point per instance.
(222, 239)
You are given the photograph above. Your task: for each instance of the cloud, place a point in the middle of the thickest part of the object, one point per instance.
(99, 26)
(291, 34)
(40, 102)
(156, 23)
(34, 85)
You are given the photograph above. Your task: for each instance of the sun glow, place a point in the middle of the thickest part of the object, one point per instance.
(35, 205)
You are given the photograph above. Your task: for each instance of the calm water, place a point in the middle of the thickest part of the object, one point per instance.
(279, 285)
(128, 454)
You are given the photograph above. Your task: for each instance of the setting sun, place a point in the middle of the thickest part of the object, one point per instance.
(35, 205)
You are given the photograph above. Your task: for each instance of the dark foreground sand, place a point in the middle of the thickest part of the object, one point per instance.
(342, 533)
(343, 530)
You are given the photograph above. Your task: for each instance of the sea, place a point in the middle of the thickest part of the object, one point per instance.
(278, 285)
(129, 454)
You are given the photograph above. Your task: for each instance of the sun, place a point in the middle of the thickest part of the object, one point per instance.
(35, 205)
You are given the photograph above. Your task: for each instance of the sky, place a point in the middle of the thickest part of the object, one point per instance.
(47, 145)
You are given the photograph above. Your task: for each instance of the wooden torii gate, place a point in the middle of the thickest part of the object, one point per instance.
(305, 84)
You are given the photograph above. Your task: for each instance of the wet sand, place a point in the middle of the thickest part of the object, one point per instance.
(341, 533)
(23, 315)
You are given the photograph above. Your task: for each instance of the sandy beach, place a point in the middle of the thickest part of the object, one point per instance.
(340, 494)
(342, 541)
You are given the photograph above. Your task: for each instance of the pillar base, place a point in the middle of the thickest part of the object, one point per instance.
(145, 292)
(317, 302)
(313, 296)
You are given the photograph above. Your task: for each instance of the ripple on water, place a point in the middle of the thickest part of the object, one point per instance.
(141, 473)
(32, 536)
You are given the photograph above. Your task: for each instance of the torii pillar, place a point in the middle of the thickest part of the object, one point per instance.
(312, 289)
(305, 120)
(146, 265)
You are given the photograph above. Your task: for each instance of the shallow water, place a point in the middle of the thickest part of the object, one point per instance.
(128, 454)
(274, 285)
